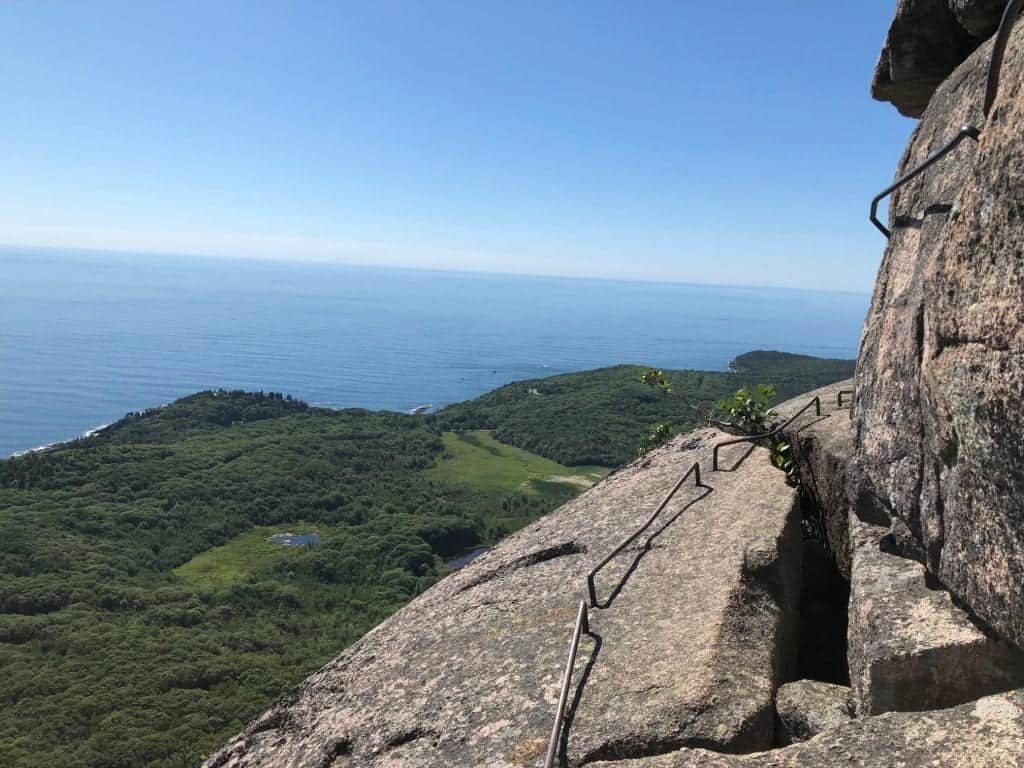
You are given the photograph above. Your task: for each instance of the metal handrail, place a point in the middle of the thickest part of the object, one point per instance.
(995, 64)
(839, 396)
(591, 589)
(582, 626)
(816, 402)
(967, 132)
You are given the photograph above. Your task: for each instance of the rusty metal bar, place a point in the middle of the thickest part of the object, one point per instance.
(591, 589)
(815, 401)
(839, 396)
(582, 627)
(967, 132)
(995, 64)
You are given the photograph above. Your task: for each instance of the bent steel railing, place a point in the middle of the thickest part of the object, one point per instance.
(839, 396)
(995, 64)
(815, 401)
(581, 627)
(591, 589)
(967, 132)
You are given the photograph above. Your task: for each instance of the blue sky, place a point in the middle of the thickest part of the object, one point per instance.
(730, 142)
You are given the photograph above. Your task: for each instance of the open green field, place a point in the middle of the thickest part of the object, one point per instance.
(476, 460)
(242, 556)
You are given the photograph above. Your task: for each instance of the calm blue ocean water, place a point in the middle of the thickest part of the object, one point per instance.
(84, 338)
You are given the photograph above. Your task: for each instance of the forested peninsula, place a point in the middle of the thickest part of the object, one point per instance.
(145, 614)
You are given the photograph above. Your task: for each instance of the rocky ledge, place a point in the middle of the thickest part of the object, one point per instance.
(987, 733)
(692, 644)
(694, 631)
(927, 40)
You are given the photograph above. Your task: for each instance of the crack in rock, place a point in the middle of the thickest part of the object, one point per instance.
(525, 561)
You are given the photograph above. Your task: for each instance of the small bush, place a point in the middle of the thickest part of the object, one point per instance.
(748, 411)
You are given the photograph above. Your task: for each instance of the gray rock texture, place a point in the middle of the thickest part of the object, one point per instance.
(808, 707)
(824, 448)
(910, 648)
(940, 374)
(697, 632)
(988, 733)
(979, 17)
(924, 45)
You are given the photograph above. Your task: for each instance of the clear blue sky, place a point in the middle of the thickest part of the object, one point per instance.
(731, 142)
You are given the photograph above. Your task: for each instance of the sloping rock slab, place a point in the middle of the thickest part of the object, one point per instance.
(910, 647)
(808, 707)
(694, 640)
(939, 409)
(988, 733)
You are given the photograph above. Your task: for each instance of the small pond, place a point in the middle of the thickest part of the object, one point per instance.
(467, 557)
(296, 539)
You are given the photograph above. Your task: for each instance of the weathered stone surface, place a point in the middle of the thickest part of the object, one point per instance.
(825, 451)
(925, 43)
(910, 647)
(979, 17)
(988, 733)
(808, 707)
(940, 374)
(697, 633)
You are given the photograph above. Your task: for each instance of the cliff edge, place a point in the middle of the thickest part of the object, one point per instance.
(911, 504)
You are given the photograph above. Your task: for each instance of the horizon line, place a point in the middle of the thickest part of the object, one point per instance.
(310, 261)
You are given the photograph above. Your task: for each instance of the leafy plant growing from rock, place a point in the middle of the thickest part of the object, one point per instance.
(748, 410)
(782, 458)
(659, 435)
(653, 377)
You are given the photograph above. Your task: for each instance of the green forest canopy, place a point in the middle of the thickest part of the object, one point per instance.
(598, 417)
(123, 645)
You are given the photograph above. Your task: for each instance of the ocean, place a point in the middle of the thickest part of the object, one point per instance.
(86, 337)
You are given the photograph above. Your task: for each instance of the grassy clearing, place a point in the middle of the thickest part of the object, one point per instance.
(222, 566)
(476, 460)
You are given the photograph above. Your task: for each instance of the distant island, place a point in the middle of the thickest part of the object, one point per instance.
(147, 610)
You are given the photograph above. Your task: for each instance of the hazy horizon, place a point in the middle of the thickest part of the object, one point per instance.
(14, 249)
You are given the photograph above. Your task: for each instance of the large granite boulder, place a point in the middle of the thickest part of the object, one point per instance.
(694, 633)
(924, 44)
(910, 647)
(940, 377)
(979, 17)
(988, 733)
(809, 707)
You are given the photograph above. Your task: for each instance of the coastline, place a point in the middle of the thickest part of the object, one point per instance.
(58, 443)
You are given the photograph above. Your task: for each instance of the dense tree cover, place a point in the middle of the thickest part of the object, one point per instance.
(110, 659)
(600, 417)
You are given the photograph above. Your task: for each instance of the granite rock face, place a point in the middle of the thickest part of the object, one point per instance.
(808, 707)
(987, 733)
(910, 648)
(924, 45)
(939, 407)
(824, 448)
(695, 632)
(979, 17)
